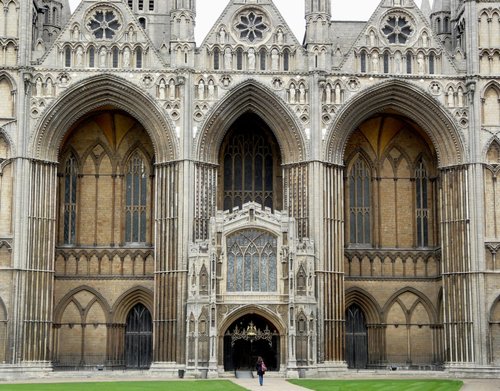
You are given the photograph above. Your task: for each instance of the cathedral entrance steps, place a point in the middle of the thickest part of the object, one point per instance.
(244, 374)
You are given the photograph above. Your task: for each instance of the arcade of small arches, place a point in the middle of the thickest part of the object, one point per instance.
(110, 190)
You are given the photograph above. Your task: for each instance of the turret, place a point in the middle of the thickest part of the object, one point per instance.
(441, 21)
(153, 16)
(182, 23)
(426, 9)
(318, 17)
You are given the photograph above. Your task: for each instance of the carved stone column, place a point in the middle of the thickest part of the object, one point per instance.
(331, 271)
(458, 280)
(35, 273)
(170, 282)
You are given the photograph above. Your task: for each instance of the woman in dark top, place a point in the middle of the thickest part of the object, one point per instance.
(261, 369)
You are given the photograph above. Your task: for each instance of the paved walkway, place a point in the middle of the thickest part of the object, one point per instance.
(277, 384)
(270, 384)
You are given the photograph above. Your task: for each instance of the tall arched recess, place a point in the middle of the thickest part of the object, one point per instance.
(250, 98)
(85, 98)
(401, 99)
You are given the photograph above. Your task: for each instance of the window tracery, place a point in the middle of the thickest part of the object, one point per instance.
(422, 208)
(360, 203)
(252, 262)
(251, 26)
(70, 191)
(397, 29)
(136, 199)
(104, 23)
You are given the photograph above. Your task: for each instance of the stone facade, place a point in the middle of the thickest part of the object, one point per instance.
(329, 204)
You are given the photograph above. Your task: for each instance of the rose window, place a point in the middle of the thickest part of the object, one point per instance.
(104, 24)
(397, 29)
(251, 27)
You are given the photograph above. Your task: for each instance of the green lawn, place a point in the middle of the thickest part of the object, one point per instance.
(380, 385)
(186, 385)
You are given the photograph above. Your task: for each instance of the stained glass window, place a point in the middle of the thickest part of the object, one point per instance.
(136, 198)
(216, 58)
(91, 57)
(70, 184)
(251, 262)
(359, 203)
(248, 163)
(422, 207)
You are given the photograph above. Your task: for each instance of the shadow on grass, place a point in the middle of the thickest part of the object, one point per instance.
(380, 385)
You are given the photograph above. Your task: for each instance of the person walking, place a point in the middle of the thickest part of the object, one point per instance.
(261, 369)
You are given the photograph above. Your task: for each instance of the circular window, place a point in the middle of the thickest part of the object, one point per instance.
(104, 23)
(251, 26)
(397, 29)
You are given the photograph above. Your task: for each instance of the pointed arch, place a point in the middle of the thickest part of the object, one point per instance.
(366, 302)
(96, 92)
(408, 100)
(252, 309)
(127, 301)
(431, 310)
(68, 298)
(251, 97)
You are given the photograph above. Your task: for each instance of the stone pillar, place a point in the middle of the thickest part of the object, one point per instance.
(34, 276)
(170, 282)
(330, 273)
(458, 282)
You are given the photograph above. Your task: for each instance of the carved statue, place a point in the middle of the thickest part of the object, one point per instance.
(228, 59)
(201, 90)
(274, 59)
(251, 59)
(102, 57)
(126, 57)
(161, 89)
(211, 90)
(293, 92)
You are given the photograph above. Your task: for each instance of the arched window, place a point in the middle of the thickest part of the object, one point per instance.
(67, 57)
(135, 200)
(252, 262)
(432, 63)
(363, 62)
(360, 203)
(409, 63)
(422, 207)
(386, 62)
(239, 59)
(286, 60)
(250, 164)
(263, 54)
(115, 57)
(91, 57)
(216, 59)
(142, 23)
(138, 58)
(70, 187)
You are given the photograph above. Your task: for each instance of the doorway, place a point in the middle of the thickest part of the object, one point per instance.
(139, 338)
(356, 338)
(248, 338)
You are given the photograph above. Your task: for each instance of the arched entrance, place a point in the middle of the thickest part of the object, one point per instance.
(139, 338)
(356, 336)
(246, 339)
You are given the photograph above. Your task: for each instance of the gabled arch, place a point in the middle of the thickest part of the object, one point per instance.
(409, 101)
(68, 298)
(251, 97)
(96, 92)
(421, 298)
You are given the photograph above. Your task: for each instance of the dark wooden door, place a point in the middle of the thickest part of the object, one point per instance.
(356, 338)
(139, 338)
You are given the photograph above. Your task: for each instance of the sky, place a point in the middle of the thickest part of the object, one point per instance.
(293, 11)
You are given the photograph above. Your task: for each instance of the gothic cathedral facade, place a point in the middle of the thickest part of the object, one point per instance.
(327, 204)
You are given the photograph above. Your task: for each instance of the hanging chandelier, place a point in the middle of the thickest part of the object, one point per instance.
(251, 333)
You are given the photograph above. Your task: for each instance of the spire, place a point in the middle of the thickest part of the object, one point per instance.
(426, 9)
(65, 12)
(441, 6)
